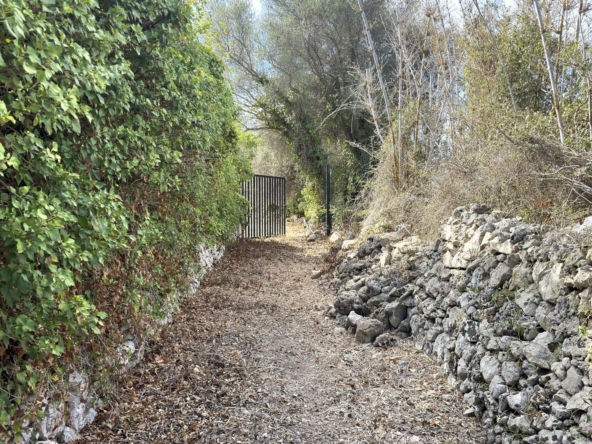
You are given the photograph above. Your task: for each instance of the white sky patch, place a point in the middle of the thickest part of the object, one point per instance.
(256, 5)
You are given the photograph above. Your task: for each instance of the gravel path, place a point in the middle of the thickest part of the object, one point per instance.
(252, 359)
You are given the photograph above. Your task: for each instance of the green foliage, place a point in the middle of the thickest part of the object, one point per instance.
(293, 69)
(306, 203)
(118, 151)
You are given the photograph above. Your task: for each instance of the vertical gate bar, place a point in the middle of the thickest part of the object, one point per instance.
(259, 207)
(273, 196)
(254, 208)
(266, 211)
(248, 184)
(284, 207)
(264, 218)
(252, 199)
(242, 234)
(280, 192)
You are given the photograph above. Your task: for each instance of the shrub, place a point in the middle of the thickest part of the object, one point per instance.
(118, 155)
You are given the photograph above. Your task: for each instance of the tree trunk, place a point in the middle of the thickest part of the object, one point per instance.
(551, 74)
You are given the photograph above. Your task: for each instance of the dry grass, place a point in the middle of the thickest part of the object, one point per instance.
(252, 359)
(509, 177)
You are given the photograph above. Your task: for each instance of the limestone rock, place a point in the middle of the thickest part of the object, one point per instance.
(68, 435)
(511, 372)
(528, 301)
(572, 383)
(538, 353)
(352, 319)
(521, 277)
(77, 413)
(335, 237)
(384, 340)
(52, 423)
(559, 370)
(79, 384)
(580, 401)
(393, 237)
(582, 279)
(441, 348)
(348, 244)
(519, 424)
(551, 286)
(559, 410)
(553, 422)
(497, 387)
(396, 312)
(518, 401)
(500, 276)
(489, 366)
(455, 261)
(585, 424)
(125, 352)
(368, 329)
(346, 302)
(551, 437)
(385, 259)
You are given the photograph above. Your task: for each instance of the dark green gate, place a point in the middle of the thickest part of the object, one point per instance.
(267, 215)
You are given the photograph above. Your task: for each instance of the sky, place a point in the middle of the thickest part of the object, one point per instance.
(257, 5)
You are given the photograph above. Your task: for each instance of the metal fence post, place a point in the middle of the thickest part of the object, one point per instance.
(328, 203)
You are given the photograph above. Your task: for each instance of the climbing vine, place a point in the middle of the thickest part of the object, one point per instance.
(118, 156)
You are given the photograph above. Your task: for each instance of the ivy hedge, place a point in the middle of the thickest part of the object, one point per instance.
(118, 155)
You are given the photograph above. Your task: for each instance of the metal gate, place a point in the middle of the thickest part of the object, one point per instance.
(267, 198)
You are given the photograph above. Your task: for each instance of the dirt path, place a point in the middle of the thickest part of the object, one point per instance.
(252, 359)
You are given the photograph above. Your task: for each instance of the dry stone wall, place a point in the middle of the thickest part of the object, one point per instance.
(63, 418)
(503, 308)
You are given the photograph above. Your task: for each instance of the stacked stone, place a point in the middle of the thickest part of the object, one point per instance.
(502, 306)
